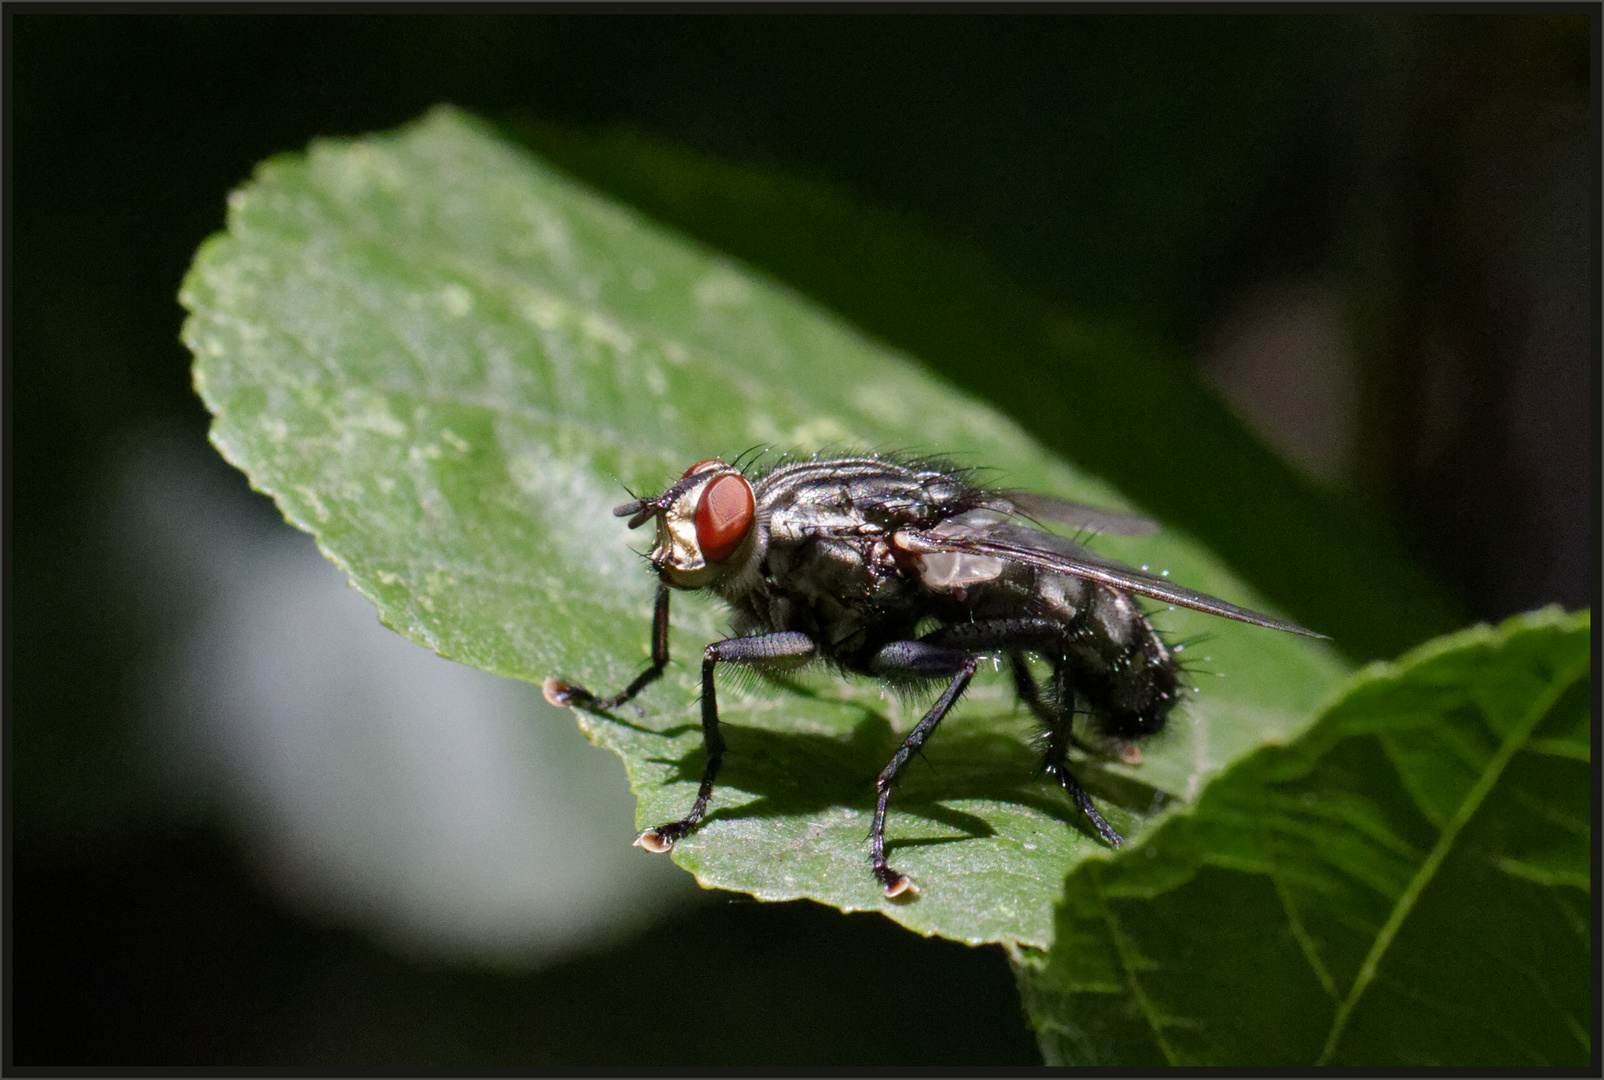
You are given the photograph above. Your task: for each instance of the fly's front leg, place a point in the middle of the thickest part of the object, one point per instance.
(786, 649)
(561, 693)
(920, 659)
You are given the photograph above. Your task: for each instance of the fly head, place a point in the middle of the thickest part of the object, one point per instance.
(707, 526)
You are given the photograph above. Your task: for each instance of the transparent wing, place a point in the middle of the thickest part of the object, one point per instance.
(1049, 509)
(1002, 540)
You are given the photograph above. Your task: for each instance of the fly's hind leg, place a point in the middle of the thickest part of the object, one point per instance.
(1055, 710)
(919, 660)
(1028, 689)
(1048, 710)
(1060, 736)
(786, 649)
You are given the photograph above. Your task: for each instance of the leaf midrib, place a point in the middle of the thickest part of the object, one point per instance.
(1512, 744)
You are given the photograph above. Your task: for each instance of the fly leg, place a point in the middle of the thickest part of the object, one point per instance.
(561, 693)
(781, 650)
(918, 659)
(1029, 691)
(1045, 636)
(1047, 712)
(1060, 734)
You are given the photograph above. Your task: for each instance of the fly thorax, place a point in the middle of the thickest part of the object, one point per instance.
(821, 568)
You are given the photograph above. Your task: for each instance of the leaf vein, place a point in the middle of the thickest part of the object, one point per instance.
(1472, 801)
(1129, 962)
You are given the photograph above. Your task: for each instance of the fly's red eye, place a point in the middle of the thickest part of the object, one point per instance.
(723, 517)
(705, 465)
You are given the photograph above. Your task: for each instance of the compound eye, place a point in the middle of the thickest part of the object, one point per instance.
(705, 465)
(723, 517)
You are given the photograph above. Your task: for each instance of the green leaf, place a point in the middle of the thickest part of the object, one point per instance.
(1408, 883)
(447, 361)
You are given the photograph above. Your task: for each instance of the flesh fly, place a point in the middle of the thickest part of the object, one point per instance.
(908, 572)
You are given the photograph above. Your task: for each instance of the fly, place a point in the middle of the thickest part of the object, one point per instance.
(908, 572)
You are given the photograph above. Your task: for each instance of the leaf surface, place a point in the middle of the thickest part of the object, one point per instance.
(448, 362)
(1408, 883)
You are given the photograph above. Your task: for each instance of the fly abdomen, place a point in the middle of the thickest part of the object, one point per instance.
(1122, 672)
(1136, 682)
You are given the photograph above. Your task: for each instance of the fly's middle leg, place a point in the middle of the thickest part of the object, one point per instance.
(921, 660)
(785, 649)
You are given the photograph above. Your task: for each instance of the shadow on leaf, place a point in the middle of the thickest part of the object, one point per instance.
(800, 773)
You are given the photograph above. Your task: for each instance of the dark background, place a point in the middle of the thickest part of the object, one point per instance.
(1430, 178)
